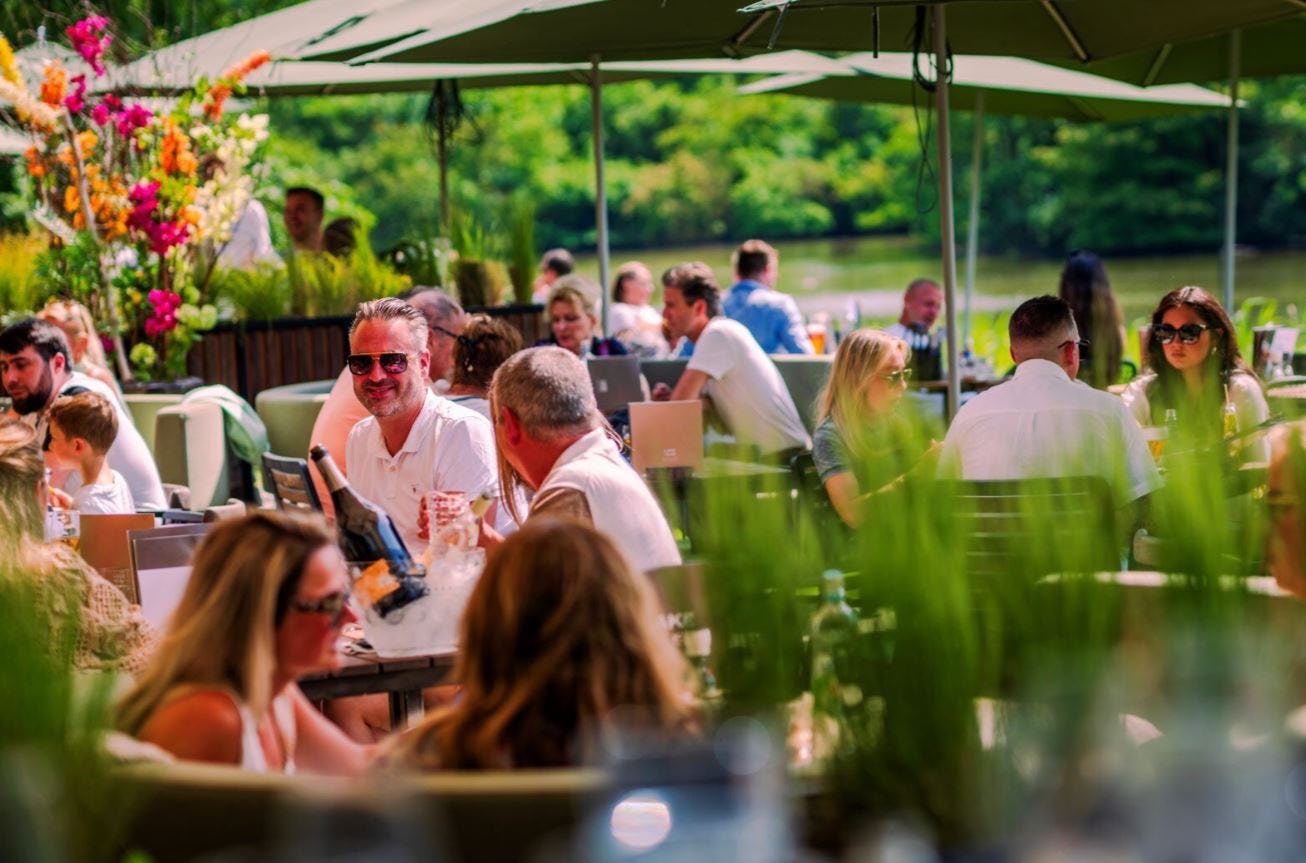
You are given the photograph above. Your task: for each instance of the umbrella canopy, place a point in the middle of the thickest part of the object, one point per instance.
(12, 141)
(310, 78)
(1010, 85)
(1267, 50)
(569, 30)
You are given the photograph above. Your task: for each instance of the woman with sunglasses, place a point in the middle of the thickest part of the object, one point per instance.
(866, 383)
(264, 606)
(1196, 370)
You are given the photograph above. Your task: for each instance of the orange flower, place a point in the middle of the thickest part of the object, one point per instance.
(86, 142)
(55, 84)
(244, 67)
(35, 164)
(190, 215)
(217, 97)
(64, 156)
(72, 201)
(175, 156)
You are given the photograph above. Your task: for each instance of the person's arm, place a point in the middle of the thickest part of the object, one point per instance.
(793, 333)
(690, 386)
(843, 493)
(320, 746)
(202, 726)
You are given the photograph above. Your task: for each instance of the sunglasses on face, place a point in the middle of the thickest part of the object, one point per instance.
(333, 605)
(392, 363)
(1188, 334)
(901, 376)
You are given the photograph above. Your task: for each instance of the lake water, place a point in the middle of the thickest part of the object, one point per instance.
(828, 274)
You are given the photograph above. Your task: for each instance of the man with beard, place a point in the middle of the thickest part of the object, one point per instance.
(414, 441)
(35, 367)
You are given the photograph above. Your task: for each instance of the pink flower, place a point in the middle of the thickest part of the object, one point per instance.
(88, 42)
(152, 328)
(76, 100)
(165, 235)
(108, 108)
(133, 118)
(145, 200)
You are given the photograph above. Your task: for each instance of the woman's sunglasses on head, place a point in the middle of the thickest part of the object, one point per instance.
(392, 363)
(1188, 334)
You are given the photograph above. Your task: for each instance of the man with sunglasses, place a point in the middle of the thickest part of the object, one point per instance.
(413, 441)
(342, 410)
(1045, 423)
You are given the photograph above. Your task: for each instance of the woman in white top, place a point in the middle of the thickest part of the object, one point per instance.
(1195, 369)
(264, 606)
(483, 346)
(631, 320)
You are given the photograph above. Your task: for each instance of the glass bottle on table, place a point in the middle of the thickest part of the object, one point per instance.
(834, 639)
(390, 579)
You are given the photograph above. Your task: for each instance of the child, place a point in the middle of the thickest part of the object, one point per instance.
(82, 428)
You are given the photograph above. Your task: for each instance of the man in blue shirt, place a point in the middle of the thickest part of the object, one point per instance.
(772, 317)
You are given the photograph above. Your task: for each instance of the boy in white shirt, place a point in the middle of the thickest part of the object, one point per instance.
(82, 428)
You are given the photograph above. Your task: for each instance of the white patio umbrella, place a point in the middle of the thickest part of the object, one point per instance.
(1000, 85)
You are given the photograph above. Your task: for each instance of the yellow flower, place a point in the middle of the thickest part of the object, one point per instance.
(8, 63)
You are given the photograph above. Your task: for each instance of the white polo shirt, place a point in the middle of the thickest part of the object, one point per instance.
(616, 500)
(746, 388)
(1042, 424)
(449, 448)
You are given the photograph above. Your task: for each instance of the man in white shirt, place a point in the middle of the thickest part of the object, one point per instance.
(728, 367)
(1045, 423)
(342, 410)
(550, 433)
(36, 367)
(414, 441)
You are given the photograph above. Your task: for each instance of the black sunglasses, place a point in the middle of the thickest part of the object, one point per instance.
(333, 605)
(1083, 343)
(1188, 334)
(392, 363)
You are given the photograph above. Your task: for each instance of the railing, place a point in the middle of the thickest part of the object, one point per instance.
(252, 356)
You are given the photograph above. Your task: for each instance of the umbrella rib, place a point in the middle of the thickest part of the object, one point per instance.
(1076, 45)
(750, 28)
(1154, 70)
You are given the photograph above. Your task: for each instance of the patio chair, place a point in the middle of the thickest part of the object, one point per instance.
(288, 481)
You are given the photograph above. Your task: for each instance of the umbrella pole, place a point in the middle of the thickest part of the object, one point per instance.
(442, 156)
(600, 186)
(972, 227)
(949, 241)
(1231, 172)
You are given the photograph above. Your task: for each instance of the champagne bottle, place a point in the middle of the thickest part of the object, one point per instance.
(835, 664)
(390, 577)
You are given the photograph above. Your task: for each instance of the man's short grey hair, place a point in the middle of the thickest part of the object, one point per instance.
(392, 309)
(549, 390)
(440, 309)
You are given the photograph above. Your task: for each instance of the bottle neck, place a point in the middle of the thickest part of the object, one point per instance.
(331, 474)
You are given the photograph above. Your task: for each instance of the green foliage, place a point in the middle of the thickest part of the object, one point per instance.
(19, 288)
(521, 248)
(260, 294)
(322, 284)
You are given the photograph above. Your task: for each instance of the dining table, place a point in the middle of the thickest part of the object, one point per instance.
(362, 672)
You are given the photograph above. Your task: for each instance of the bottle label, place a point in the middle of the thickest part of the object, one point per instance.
(376, 583)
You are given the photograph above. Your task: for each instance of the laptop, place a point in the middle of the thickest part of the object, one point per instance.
(616, 382)
(666, 434)
(161, 560)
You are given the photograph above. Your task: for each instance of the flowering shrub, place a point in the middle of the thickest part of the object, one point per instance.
(137, 200)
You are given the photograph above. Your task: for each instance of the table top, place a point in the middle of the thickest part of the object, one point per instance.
(1293, 391)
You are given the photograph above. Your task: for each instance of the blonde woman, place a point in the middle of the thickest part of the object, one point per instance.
(264, 606)
(866, 383)
(559, 632)
(574, 320)
(112, 635)
(83, 340)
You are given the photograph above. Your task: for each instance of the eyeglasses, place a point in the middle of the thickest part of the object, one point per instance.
(333, 605)
(392, 363)
(901, 376)
(1188, 334)
(443, 331)
(1082, 343)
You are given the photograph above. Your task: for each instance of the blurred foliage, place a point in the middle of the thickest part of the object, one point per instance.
(18, 276)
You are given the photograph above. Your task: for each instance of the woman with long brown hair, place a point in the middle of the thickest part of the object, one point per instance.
(559, 632)
(1195, 369)
(482, 347)
(1085, 286)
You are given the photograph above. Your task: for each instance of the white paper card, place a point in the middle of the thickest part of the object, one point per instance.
(161, 591)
